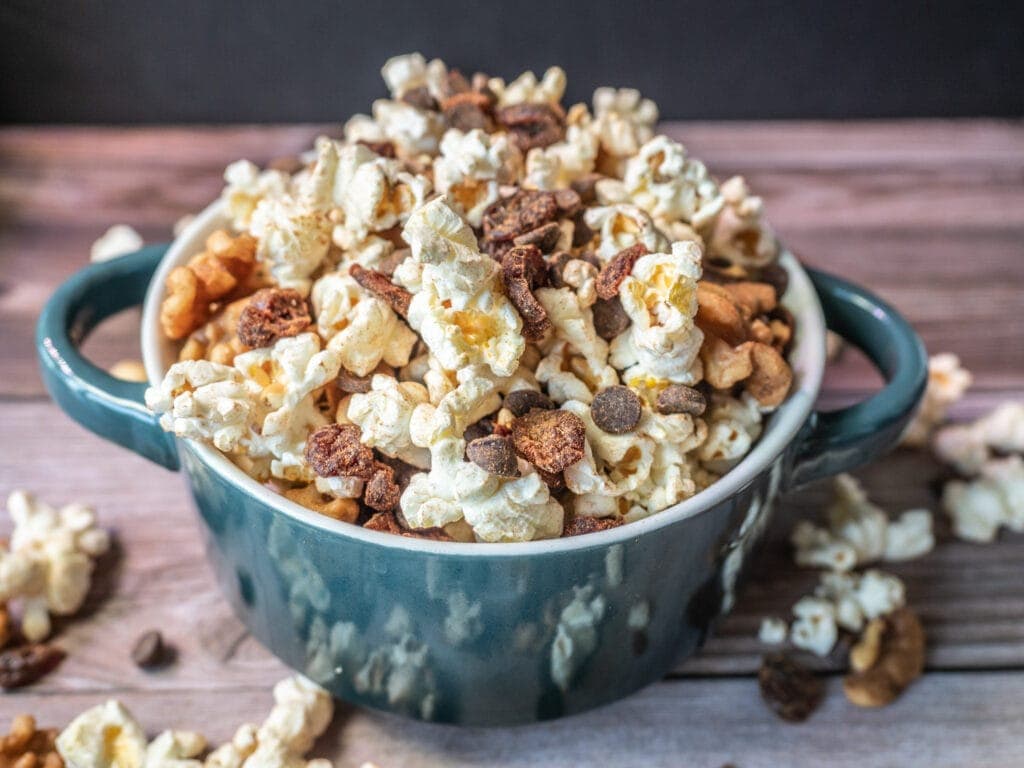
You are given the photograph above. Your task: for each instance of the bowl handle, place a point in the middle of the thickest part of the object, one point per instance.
(838, 441)
(110, 407)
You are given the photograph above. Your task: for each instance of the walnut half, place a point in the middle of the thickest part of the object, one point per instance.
(899, 662)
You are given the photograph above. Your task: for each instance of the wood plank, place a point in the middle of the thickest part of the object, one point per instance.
(971, 597)
(943, 721)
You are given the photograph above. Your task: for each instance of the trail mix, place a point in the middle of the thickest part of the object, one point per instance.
(481, 315)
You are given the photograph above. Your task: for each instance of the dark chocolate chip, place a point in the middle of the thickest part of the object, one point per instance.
(522, 401)
(616, 409)
(610, 319)
(495, 454)
(149, 651)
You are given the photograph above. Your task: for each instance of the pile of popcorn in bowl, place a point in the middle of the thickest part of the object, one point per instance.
(480, 316)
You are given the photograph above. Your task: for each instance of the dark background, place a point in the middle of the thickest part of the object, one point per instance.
(316, 60)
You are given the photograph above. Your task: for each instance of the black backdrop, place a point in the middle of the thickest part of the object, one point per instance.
(318, 60)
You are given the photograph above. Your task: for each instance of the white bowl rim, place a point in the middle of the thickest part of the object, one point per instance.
(807, 359)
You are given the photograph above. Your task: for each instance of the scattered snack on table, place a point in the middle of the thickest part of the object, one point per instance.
(116, 241)
(889, 658)
(47, 567)
(529, 317)
(27, 746)
(108, 735)
(947, 382)
(791, 690)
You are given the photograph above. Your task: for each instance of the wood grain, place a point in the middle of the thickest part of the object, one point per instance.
(928, 214)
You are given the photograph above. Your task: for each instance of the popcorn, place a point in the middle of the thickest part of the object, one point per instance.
(673, 470)
(979, 507)
(612, 464)
(458, 309)
(49, 562)
(739, 233)
(558, 165)
(384, 414)
(859, 532)
(622, 225)
(246, 187)
(623, 121)
(773, 631)
(947, 382)
(667, 184)
(469, 170)
(969, 446)
(413, 131)
(526, 89)
(106, 735)
(362, 329)
(411, 71)
(815, 627)
(116, 241)
(733, 426)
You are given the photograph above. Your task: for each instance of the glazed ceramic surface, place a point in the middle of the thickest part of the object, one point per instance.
(484, 634)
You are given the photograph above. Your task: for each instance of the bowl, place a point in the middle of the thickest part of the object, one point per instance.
(484, 634)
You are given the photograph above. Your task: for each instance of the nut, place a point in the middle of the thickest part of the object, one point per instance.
(26, 746)
(494, 454)
(272, 314)
(617, 269)
(899, 662)
(791, 690)
(679, 398)
(725, 365)
(395, 296)
(522, 401)
(550, 440)
(616, 409)
(336, 451)
(864, 653)
(771, 376)
(217, 340)
(522, 269)
(719, 314)
(25, 664)
(532, 125)
(345, 510)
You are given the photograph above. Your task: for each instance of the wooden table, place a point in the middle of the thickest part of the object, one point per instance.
(929, 214)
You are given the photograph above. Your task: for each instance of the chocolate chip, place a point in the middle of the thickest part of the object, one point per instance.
(679, 398)
(791, 690)
(581, 231)
(617, 269)
(25, 664)
(776, 276)
(381, 286)
(350, 383)
(336, 451)
(544, 237)
(610, 319)
(272, 314)
(495, 454)
(149, 651)
(420, 98)
(616, 410)
(522, 401)
(532, 125)
(550, 440)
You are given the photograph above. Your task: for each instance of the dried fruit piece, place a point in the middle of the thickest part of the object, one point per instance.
(420, 98)
(336, 451)
(577, 525)
(522, 212)
(25, 664)
(791, 690)
(545, 237)
(382, 492)
(719, 314)
(468, 111)
(616, 409)
(495, 454)
(899, 662)
(610, 319)
(522, 269)
(679, 398)
(387, 522)
(771, 377)
(522, 401)
(149, 651)
(532, 125)
(617, 269)
(272, 314)
(550, 440)
(381, 286)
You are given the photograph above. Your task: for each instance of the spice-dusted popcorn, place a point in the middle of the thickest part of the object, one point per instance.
(482, 315)
(48, 564)
(947, 382)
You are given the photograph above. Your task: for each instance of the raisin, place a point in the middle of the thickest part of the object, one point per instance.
(791, 690)
(532, 125)
(395, 296)
(336, 451)
(679, 398)
(272, 314)
(617, 269)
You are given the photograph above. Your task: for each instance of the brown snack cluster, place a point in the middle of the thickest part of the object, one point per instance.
(577, 525)
(550, 440)
(25, 664)
(336, 451)
(420, 98)
(522, 401)
(898, 661)
(617, 269)
(271, 314)
(495, 454)
(791, 690)
(679, 398)
(616, 410)
(522, 212)
(217, 340)
(382, 492)
(27, 746)
(545, 237)
(218, 273)
(349, 383)
(610, 319)
(381, 286)
(532, 125)
(387, 522)
(522, 270)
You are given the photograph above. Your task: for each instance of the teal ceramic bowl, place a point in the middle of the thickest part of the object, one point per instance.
(484, 634)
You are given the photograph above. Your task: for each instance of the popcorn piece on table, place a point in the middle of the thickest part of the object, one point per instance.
(773, 631)
(116, 241)
(967, 447)
(978, 508)
(27, 746)
(48, 566)
(947, 382)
